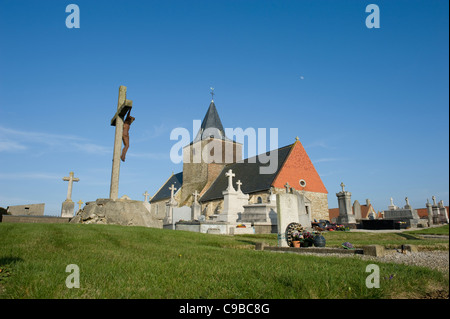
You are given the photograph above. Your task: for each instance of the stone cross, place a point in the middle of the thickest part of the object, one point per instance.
(80, 202)
(146, 194)
(342, 186)
(230, 176)
(239, 183)
(123, 106)
(287, 186)
(195, 196)
(70, 179)
(172, 189)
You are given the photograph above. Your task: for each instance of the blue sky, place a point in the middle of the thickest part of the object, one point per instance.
(370, 106)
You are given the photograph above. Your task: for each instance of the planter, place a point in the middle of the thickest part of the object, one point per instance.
(319, 241)
(295, 243)
(306, 244)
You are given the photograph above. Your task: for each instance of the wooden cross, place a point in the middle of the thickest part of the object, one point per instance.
(342, 186)
(195, 196)
(80, 202)
(70, 179)
(238, 183)
(172, 189)
(123, 106)
(146, 194)
(230, 176)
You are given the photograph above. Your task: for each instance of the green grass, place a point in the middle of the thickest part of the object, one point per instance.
(138, 262)
(441, 230)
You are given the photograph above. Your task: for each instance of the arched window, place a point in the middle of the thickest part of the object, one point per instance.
(259, 200)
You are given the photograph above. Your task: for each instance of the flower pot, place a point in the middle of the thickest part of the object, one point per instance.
(319, 241)
(306, 244)
(295, 243)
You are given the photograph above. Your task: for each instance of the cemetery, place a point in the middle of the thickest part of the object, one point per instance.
(217, 235)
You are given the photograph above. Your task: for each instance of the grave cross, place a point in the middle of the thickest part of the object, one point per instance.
(287, 186)
(342, 186)
(239, 183)
(172, 189)
(195, 196)
(70, 179)
(230, 176)
(80, 202)
(146, 194)
(123, 106)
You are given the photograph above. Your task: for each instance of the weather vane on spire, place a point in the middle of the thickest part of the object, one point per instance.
(212, 93)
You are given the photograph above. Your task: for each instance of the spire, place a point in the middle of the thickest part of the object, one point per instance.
(211, 125)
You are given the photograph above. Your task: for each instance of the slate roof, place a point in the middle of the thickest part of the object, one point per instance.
(164, 192)
(249, 175)
(211, 125)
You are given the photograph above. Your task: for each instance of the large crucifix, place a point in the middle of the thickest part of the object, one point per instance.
(123, 107)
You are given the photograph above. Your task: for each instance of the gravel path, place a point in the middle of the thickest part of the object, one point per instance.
(432, 259)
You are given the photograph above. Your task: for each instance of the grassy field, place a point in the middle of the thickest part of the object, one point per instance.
(138, 262)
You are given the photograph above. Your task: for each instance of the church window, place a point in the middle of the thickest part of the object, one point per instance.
(259, 200)
(302, 182)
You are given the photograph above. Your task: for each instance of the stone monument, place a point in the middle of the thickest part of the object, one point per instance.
(115, 210)
(345, 207)
(68, 206)
(290, 209)
(406, 214)
(196, 208)
(429, 212)
(168, 221)
(443, 215)
(233, 201)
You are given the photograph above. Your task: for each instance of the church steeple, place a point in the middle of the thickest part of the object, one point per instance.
(211, 125)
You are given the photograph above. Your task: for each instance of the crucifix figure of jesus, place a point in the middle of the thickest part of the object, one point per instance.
(230, 176)
(123, 107)
(70, 179)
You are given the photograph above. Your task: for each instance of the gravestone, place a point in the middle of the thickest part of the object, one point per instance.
(68, 206)
(168, 221)
(443, 215)
(196, 208)
(233, 201)
(406, 214)
(429, 212)
(345, 207)
(290, 209)
(357, 209)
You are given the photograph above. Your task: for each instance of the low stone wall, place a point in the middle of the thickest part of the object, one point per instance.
(34, 219)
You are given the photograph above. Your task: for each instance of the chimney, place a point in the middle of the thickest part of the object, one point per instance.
(368, 202)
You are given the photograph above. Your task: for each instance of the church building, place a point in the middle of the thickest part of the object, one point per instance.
(204, 173)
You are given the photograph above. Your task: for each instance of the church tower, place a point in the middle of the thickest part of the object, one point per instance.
(206, 156)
